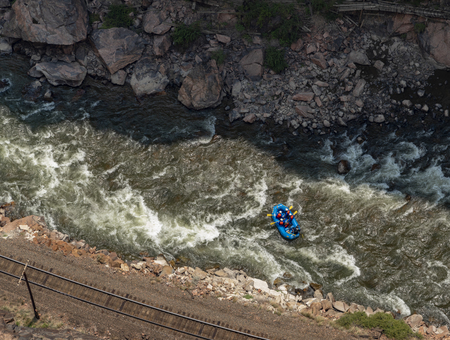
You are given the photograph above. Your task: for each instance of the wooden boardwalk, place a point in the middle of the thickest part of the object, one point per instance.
(391, 7)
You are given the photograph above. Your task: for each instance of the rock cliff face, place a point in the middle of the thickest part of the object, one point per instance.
(56, 22)
(436, 41)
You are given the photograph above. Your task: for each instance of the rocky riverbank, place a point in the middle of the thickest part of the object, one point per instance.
(336, 73)
(221, 283)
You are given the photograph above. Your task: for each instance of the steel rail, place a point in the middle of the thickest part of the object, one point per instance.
(126, 299)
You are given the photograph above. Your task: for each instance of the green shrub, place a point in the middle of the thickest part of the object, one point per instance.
(218, 56)
(273, 20)
(93, 17)
(184, 35)
(396, 329)
(118, 16)
(248, 296)
(419, 27)
(274, 60)
(324, 8)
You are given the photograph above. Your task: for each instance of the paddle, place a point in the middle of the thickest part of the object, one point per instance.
(272, 223)
(290, 207)
(269, 214)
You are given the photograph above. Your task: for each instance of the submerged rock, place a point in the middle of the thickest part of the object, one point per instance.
(343, 167)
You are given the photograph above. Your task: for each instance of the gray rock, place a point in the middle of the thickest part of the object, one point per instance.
(5, 46)
(199, 274)
(148, 78)
(378, 65)
(379, 118)
(56, 22)
(359, 58)
(237, 87)
(60, 73)
(156, 22)
(407, 103)
(5, 3)
(118, 47)
(359, 87)
(252, 64)
(119, 77)
(202, 87)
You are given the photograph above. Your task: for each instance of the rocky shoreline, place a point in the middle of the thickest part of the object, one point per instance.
(221, 283)
(337, 73)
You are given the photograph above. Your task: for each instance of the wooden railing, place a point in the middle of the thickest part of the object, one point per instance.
(392, 7)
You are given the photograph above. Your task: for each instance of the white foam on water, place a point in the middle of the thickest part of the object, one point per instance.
(392, 301)
(335, 254)
(431, 182)
(42, 107)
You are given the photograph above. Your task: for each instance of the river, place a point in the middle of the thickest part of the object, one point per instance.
(152, 176)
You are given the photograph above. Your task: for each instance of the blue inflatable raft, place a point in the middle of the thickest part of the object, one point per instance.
(293, 230)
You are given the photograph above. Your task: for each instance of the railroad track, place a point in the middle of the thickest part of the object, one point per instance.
(125, 305)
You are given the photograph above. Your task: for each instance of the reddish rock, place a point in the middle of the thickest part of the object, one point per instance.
(118, 47)
(304, 111)
(56, 22)
(34, 222)
(414, 320)
(311, 48)
(340, 306)
(304, 96)
(297, 46)
(202, 87)
(315, 308)
(319, 60)
(161, 44)
(436, 41)
(250, 118)
(167, 270)
(403, 23)
(326, 305)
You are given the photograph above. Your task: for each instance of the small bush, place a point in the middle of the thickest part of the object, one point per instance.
(184, 35)
(275, 60)
(93, 17)
(273, 20)
(118, 16)
(396, 329)
(419, 27)
(218, 56)
(248, 296)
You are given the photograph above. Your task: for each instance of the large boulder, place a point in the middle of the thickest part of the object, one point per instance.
(252, 64)
(56, 22)
(436, 41)
(148, 78)
(202, 87)
(155, 22)
(118, 47)
(60, 73)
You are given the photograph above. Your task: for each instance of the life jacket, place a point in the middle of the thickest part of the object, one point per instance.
(278, 215)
